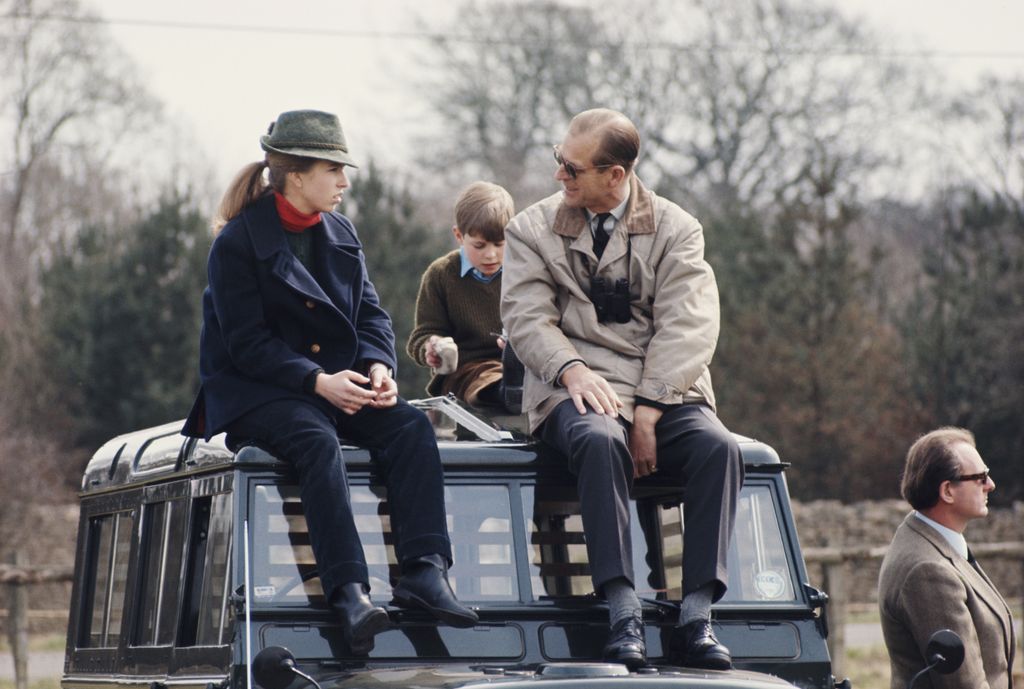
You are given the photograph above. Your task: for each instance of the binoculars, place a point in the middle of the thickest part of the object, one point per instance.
(611, 302)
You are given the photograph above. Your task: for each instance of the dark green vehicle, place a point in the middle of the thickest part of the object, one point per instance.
(193, 565)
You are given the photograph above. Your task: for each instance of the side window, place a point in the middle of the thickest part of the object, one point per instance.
(205, 612)
(108, 548)
(163, 540)
(213, 601)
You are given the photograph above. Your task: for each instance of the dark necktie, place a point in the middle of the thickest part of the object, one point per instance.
(600, 234)
(972, 561)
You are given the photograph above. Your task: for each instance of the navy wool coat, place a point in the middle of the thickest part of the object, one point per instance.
(268, 323)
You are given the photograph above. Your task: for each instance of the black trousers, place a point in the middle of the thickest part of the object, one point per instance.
(405, 449)
(695, 450)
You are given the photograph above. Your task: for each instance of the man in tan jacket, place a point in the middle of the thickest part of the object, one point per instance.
(614, 312)
(929, 579)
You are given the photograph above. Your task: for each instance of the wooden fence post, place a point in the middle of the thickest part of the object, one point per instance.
(17, 622)
(836, 585)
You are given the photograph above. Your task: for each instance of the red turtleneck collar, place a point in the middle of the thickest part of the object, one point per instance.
(292, 218)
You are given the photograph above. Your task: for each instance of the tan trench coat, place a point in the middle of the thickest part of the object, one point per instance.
(662, 354)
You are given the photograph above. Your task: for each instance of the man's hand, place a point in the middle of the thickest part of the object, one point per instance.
(643, 443)
(384, 386)
(430, 354)
(588, 388)
(343, 390)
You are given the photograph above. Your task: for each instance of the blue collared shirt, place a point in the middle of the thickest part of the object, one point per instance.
(956, 540)
(467, 268)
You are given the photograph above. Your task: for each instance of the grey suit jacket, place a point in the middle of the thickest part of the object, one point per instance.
(924, 586)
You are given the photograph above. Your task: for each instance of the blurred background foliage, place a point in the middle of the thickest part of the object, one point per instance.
(866, 225)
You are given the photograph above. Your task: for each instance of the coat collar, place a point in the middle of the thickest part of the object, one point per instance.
(638, 218)
(267, 233)
(337, 254)
(939, 541)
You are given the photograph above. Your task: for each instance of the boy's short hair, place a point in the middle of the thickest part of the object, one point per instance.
(482, 210)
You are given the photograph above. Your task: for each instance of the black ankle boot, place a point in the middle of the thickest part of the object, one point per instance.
(360, 619)
(424, 584)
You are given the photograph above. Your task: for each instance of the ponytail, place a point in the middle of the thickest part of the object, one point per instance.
(247, 186)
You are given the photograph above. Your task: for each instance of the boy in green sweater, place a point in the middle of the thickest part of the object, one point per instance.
(457, 309)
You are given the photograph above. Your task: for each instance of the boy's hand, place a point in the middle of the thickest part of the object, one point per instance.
(384, 386)
(344, 390)
(442, 354)
(430, 352)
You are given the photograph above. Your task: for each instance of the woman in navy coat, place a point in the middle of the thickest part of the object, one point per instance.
(296, 349)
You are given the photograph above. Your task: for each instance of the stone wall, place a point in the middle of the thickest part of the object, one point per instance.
(830, 523)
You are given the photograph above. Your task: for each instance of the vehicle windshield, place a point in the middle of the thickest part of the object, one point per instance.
(481, 521)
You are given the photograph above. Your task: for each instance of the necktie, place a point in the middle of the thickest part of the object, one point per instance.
(972, 561)
(600, 234)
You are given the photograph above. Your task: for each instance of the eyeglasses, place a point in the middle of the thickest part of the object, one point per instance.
(982, 477)
(574, 170)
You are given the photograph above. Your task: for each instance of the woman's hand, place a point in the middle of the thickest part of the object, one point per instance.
(344, 390)
(384, 387)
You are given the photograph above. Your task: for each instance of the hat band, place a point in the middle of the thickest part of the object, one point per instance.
(307, 144)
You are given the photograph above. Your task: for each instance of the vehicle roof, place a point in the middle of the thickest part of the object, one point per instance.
(465, 439)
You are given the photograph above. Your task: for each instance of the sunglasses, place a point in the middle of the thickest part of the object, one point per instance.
(982, 477)
(571, 169)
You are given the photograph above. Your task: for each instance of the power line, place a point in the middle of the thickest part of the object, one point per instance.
(490, 40)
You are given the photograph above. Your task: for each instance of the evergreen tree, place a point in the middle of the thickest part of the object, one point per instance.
(398, 248)
(120, 316)
(964, 328)
(803, 363)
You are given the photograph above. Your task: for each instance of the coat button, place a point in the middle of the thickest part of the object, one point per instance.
(310, 304)
(315, 348)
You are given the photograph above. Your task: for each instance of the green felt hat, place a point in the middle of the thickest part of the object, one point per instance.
(308, 133)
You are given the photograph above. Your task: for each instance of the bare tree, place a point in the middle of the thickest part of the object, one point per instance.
(510, 76)
(735, 100)
(985, 136)
(69, 100)
(70, 97)
(764, 88)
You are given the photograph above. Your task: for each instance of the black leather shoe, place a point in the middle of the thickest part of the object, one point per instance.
(361, 620)
(695, 645)
(424, 584)
(626, 643)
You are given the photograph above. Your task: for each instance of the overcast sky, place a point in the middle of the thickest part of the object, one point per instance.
(353, 57)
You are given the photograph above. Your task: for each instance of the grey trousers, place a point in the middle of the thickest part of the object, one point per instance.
(695, 450)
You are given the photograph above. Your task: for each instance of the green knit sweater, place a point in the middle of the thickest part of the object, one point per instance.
(462, 308)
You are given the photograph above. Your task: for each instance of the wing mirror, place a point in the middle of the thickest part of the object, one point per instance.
(944, 653)
(274, 668)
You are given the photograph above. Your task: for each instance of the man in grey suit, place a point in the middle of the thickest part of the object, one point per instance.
(929, 578)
